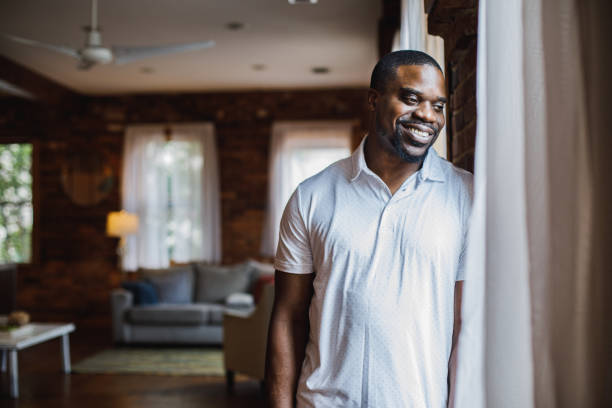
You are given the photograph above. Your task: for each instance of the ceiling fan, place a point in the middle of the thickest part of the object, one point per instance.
(95, 53)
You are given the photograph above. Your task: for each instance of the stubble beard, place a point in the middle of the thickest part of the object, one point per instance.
(397, 143)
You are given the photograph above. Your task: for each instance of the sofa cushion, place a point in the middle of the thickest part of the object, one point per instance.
(172, 314)
(215, 283)
(144, 292)
(174, 285)
(216, 314)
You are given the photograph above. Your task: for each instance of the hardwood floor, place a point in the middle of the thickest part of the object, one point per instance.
(42, 384)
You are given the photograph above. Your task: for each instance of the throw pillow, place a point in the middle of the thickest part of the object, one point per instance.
(240, 301)
(174, 285)
(144, 293)
(215, 283)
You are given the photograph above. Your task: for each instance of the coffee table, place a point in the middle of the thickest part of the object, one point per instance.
(36, 333)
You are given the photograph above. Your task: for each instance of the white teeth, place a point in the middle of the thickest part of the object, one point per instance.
(419, 132)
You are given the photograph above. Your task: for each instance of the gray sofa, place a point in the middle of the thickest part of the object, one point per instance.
(192, 302)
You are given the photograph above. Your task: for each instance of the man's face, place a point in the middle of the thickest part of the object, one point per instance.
(410, 111)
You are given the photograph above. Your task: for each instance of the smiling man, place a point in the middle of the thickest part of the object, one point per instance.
(370, 260)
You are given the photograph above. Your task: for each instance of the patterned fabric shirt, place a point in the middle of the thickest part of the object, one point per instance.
(381, 316)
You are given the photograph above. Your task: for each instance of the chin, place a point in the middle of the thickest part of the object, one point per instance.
(413, 158)
(410, 154)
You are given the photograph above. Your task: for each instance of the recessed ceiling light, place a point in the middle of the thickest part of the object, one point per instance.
(147, 70)
(320, 70)
(258, 67)
(303, 1)
(234, 25)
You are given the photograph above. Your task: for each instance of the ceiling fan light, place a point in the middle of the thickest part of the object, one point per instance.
(99, 55)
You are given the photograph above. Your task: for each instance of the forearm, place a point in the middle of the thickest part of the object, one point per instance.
(452, 375)
(286, 350)
(452, 361)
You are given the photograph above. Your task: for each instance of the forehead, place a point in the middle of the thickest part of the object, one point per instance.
(424, 78)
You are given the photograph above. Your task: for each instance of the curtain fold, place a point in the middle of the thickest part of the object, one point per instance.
(286, 138)
(144, 195)
(527, 303)
(174, 189)
(495, 342)
(561, 282)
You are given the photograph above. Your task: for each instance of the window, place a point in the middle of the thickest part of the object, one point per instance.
(170, 180)
(16, 210)
(299, 150)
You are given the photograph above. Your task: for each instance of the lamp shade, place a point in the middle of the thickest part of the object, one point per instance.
(121, 223)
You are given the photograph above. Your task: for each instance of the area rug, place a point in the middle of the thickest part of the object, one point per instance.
(155, 361)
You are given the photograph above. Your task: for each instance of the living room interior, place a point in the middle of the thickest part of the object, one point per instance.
(249, 75)
(272, 65)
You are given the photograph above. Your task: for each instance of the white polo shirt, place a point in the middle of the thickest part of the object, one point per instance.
(381, 316)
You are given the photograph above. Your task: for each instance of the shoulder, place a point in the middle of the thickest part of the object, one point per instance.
(457, 178)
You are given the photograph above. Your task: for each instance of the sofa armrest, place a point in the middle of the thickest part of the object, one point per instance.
(121, 300)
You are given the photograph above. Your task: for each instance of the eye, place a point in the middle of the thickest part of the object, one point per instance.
(411, 99)
(438, 108)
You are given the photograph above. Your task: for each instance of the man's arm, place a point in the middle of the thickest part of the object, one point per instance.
(452, 362)
(287, 337)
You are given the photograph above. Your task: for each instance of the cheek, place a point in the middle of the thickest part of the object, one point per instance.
(441, 120)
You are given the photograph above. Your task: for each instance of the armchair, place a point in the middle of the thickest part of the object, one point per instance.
(245, 339)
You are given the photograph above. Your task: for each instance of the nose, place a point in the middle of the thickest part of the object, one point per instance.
(425, 112)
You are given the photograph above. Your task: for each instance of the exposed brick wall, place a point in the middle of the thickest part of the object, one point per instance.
(76, 263)
(75, 266)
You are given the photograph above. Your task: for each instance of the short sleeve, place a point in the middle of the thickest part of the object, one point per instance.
(293, 254)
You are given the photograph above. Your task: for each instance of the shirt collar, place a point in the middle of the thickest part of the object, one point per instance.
(431, 169)
(358, 160)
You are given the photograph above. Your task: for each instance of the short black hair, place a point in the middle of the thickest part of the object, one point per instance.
(386, 68)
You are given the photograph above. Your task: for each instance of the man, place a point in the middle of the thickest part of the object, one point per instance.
(369, 261)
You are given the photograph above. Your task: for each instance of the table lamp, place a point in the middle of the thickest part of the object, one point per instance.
(121, 224)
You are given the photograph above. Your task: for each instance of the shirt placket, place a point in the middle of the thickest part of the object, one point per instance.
(383, 235)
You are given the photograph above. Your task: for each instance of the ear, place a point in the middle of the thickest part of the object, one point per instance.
(372, 99)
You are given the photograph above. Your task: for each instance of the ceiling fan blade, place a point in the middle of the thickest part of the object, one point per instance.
(124, 55)
(57, 48)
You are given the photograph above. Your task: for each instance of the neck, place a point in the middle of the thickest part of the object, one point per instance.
(392, 170)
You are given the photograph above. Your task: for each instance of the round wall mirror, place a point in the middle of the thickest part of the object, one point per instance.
(87, 178)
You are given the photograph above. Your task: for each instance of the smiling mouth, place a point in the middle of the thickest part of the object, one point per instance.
(418, 137)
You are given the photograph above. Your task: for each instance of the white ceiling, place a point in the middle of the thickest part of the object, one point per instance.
(288, 39)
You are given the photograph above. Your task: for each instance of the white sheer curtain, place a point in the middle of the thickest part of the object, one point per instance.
(524, 339)
(174, 189)
(299, 150)
(413, 35)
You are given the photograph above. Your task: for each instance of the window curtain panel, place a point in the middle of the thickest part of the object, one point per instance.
(413, 35)
(287, 136)
(195, 185)
(531, 311)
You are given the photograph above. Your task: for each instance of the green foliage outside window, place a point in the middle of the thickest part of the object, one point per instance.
(16, 212)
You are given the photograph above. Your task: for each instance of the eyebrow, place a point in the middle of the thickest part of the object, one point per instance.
(419, 93)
